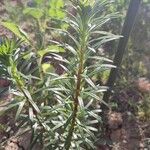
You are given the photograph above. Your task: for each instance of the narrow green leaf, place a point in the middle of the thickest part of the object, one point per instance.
(33, 104)
(16, 30)
(20, 107)
(68, 121)
(51, 49)
(100, 58)
(31, 114)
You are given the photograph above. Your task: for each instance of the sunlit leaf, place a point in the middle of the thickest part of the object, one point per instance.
(34, 12)
(51, 49)
(20, 107)
(16, 30)
(47, 68)
(55, 10)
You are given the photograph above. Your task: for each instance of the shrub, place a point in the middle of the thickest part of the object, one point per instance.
(59, 110)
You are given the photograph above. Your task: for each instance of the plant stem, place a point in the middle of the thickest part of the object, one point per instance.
(20, 87)
(81, 53)
(76, 101)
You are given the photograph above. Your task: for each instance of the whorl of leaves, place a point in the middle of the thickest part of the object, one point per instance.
(60, 110)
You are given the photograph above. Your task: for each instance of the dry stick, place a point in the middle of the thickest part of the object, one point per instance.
(127, 28)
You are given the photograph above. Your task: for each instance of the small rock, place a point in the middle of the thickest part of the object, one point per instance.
(114, 120)
(11, 145)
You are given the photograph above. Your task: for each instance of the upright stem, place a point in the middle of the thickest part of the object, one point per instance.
(20, 87)
(76, 102)
(81, 53)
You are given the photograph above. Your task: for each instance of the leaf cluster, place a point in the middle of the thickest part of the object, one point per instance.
(60, 110)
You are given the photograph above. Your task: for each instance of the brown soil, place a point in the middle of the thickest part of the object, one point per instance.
(126, 133)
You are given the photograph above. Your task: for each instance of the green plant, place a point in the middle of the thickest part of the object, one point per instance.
(60, 111)
(144, 108)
